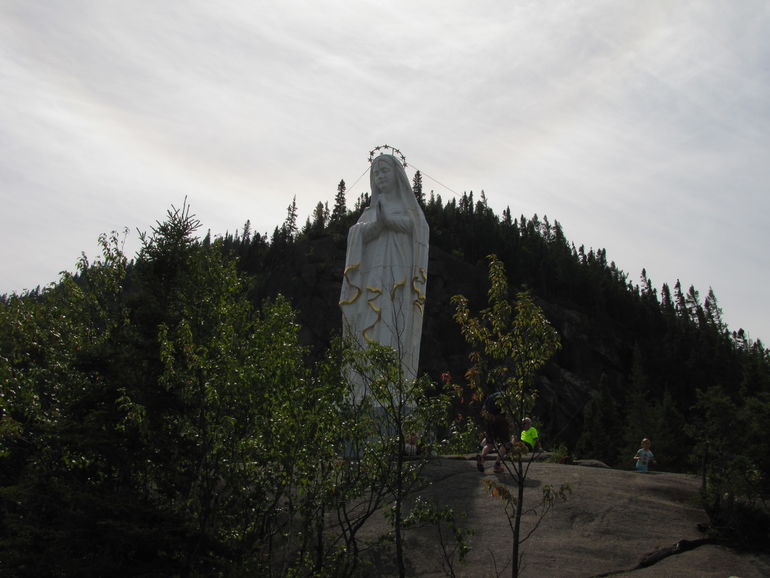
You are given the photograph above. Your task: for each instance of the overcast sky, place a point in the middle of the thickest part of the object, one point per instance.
(642, 127)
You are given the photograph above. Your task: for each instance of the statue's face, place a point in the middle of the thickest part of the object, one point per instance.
(384, 176)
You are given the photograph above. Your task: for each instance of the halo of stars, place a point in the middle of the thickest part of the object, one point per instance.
(384, 148)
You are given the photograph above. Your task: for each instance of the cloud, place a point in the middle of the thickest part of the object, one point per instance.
(641, 127)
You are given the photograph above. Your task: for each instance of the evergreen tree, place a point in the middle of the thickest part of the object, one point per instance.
(669, 446)
(694, 309)
(666, 302)
(417, 189)
(315, 227)
(639, 422)
(602, 427)
(340, 210)
(119, 382)
(680, 306)
(289, 228)
(361, 203)
(713, 312)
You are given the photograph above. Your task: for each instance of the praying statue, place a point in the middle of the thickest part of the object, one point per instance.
(386, 267)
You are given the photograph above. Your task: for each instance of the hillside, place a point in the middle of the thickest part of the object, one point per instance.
(174, 415)
(623, 343)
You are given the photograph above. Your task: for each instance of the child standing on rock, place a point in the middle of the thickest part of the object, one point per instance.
(644, 456)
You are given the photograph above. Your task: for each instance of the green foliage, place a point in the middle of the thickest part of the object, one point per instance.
(511, 501)
(511, 343)
(127, 385)
(732, 450)
(681, 338)
(156, 421)
(453, 540)
(159, 423)
(658, 419)
(671, 447)
(340, 210)
(601, 426)
(462, 437)
(400, 414)
(559, 454)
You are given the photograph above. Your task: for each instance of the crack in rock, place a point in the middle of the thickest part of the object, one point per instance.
(678, 548)
(654, 557)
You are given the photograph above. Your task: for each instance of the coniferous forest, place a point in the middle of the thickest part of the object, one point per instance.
(184, 412)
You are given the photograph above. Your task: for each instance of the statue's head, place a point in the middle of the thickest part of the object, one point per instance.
(387, 176)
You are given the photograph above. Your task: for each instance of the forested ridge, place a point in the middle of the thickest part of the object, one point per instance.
(637, 355)
(181, 413)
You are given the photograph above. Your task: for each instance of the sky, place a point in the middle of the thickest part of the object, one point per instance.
(642, 127)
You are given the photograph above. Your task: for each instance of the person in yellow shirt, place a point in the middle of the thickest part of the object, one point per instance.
(529, 434)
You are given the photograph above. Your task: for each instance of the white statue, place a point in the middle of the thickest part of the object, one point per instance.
(386, 267)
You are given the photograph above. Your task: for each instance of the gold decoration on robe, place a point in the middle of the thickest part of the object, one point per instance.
(419, 302)
(370, 302)
(357, 289)
(396, 285)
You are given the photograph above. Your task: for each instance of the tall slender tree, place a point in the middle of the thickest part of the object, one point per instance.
(340, 209)
(417, 188)
(511, 342)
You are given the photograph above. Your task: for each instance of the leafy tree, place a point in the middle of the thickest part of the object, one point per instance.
(171, 427)
(511, 343)
(92, 415)
(756, 415)
(715, 450)
(64, 458)
(453, 539)
(734, 465)
(402, 420)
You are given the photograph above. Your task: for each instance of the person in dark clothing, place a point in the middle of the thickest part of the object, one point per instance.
(497, 432)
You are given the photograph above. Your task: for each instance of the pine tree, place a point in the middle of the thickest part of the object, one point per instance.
(582, 255)
(320, 216)
(340, 209)
(679, 303)
(362, 202)
(668, 446)
(601, 426)
(713, 312)
(638, 414)
(417, 188)
(666, 302)
(289, 227)
(694, 308)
